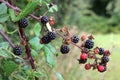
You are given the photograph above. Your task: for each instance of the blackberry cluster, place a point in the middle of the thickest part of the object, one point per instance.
(89, 44)
(23, 23)
(44, 20)
(48, 37)
(64, 49)
(17, 50)
(75, 39)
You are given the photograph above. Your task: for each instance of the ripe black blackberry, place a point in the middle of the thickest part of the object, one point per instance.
(105, 59)
(46, 39)
(64, 49)
(75, 39)
(51, 35)
(17, 50)
(89, 44)
(81, 61)
(101, 51)
(23, 23)
(44, 20)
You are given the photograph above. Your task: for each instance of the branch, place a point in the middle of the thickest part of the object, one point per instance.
(7, 38)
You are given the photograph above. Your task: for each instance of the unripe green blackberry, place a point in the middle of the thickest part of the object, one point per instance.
(75, 39)
(101, 51)
(23, 23)
(89, 44)
(64, 49)
(44, 20)
(45, 39)
(51, 35)
(17, 50)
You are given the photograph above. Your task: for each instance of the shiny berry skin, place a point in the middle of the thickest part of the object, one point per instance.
(89, 44)
(87, 66)
(75, 39)
(45, 39)
(17, 50)
(64, 49)
(105, 59)
(101, 68)
(101, 51)
(23, 23)
(44, 20)
(83, 56)
(51, 35)
(81, 61)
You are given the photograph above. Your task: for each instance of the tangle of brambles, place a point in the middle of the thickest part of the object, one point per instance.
(88, 51)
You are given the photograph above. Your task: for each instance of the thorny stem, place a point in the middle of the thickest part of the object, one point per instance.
(7, 38)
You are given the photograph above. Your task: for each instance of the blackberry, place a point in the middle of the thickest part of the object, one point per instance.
(45, 39)
(105, 59)
(82, 61)
(89, 44)
(101, 51)
(17, 50)
(23, 23)
(75, 39)
(64, 49)
(44, 19)
(51, 35)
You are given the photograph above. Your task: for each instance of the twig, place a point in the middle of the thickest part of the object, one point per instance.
(7, 38)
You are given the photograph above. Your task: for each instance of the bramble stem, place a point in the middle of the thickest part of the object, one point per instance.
(7, 38)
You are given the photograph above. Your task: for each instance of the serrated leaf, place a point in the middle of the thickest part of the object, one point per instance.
(4, 53)
(37, 29)
(34, 54)
(35, 43)
(59, 76)
(52, 49)
(49, 56)
(9, 67)
(3, 9)
(4, 18)
(4, 45)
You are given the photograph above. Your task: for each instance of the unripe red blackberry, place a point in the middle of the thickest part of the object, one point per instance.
(101, 51)
(75, 39)
(51, 35)
(89, 44)
(87, 66)
(44, 20)
(45, 39)
(83, 56)
(17, 50)
(64, 49)
(101, 68)
(81, 61)
(105, 59)
(23, 23)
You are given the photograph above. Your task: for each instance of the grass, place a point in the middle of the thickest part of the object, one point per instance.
(71, 70)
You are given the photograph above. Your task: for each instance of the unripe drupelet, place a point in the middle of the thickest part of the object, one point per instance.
(87, 66)
(101, 68)
(23, 23)
(83, 56)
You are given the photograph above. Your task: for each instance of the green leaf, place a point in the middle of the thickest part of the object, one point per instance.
(35, 43)
(1, 27)
(34, 54)
(3, 9)
(59, 76)
(52, 49)
(4, 45)
(4, 53)
(53, 8)
(12, 14)
(49, 56)
(9, 67)
(4, 18)
(37, 29)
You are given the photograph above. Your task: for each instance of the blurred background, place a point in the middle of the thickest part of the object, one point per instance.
(98, 17)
